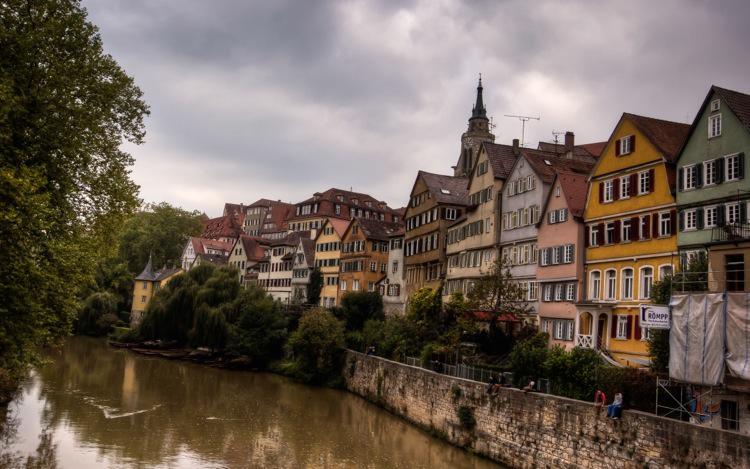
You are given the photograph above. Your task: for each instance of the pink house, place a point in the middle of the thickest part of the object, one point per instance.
(561, 257)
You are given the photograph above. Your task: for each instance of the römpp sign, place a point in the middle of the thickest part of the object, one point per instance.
(654, 317)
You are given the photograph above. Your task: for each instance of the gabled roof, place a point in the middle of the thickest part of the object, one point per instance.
(308, 249)
(595, 148)
(222, 227)
(446, 189)
(546, 165)
(579, 151)
(376, 229)
(501, 158)
(216, 259)
(331, 195)
(252, 247)
(666, 136)
(575, 190)
(201, 244)
(339, 225)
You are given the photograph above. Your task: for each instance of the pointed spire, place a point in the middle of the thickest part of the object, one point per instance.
(479, 111)
(148, 271)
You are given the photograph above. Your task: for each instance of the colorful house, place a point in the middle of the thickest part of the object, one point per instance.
(392, 285)
(713, 192)
(364, 255)
(304, 261)
(246, 253)
(147, 283)
(631, 233)
(561, 244)
(327, 256)
(199, 247)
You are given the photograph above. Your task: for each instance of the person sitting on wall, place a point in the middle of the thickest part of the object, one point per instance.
(491, 384)
(529, 387)
(614, 410)
(599, 400)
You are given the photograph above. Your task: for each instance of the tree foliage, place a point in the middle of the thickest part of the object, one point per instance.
(498, 293)
(358, 307)
(314, 287)
(317, 346)
(98, 315)
(65, 109)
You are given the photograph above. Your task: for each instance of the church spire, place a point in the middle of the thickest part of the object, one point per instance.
(479, 111)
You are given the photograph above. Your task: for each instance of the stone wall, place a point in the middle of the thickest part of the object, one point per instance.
(526, 430)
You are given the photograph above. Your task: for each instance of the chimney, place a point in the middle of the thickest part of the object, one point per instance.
(569, 143)
(516, 149)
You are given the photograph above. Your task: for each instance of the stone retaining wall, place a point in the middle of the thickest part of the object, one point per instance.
(526, 430)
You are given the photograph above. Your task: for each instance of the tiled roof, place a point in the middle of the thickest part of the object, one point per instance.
(376, 229)
(216, 259)
(200, 245)
(595, 148)
(235, 210)
(667, 136)
(308, 249)
(222, 227)
(546, 165)
(446, 189)
(339, 225)
(331, 195)
(579, 151)
(575, 187)
(400, 231)
(252, 246)
(289, 240)
(501, 159)
(738, 102)
(151, 275)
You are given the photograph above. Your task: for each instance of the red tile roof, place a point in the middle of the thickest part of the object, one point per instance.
(253, 247)
(595, 148)
(667, 136)
(738, 102)
(546, 165)
(446, 189)
(222, 227)
(339, 225)
(575, 188)
(376, 229)
(501, 158)
(328, 199)
(200, 245)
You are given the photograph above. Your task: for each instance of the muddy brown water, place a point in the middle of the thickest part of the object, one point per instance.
(94, 406)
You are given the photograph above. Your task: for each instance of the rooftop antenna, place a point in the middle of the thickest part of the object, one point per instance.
(492, 123)
(523, 120)
(556, 136)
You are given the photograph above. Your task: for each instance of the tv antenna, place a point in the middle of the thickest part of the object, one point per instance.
(523, 120)
(556, 136)
(492, 123)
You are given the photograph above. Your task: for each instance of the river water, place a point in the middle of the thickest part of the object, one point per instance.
(94, 406)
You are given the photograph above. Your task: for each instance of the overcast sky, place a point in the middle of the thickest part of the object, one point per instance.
(280, 99)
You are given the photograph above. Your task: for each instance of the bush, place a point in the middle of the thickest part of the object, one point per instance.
(359, 307)
(528, 358)
(260, 328)
(317, 347)
(466, 417)
(98, 315)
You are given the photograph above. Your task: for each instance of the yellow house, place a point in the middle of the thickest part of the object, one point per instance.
(631, 234)
(147, 283)
(327, 258)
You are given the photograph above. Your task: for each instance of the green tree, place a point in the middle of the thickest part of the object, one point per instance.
(358, 307)
(98, 315)
(159, 230)
(528, 358)
(498, 293)
(317, 346)
(65, 109)
(260, 330)
(314, 287)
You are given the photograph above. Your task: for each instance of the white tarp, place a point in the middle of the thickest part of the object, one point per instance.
(738, 335)
(696, 339)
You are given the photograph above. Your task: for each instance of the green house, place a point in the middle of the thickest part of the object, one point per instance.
(713, 191)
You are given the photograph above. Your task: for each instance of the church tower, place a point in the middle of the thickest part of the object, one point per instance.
(477, 133)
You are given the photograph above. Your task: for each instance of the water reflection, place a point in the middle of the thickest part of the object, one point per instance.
(93, 406)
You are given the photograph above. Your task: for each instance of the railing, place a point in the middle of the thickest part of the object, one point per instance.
(469, 372)
(733, 232)
(586, 341)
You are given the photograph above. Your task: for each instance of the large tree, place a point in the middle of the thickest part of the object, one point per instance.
(497, 293)
(65, 109)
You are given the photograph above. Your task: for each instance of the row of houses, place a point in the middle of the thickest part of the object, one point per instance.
(586, 228)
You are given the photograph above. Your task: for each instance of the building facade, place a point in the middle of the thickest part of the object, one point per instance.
(327, 257)
(246, 253)
(304, 262)
(146, 284)
(436, 201)
(196, 247)
(631, 233)
(392, 286)
(713, 192)
(267, 218)
(312, 213)
(276, 268)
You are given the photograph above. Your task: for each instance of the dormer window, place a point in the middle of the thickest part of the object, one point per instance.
(715, 105)
(340, 198)
(368, 203)
(355, 201)
(445, 191)
(625, 145)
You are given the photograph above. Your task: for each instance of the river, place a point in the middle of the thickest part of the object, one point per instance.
(94, 406)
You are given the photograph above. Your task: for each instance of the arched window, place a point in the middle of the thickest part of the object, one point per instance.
(610, 284)
(627, 284)
(595, 284)
(647, 280)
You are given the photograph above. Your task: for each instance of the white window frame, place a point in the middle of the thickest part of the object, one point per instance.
(622, 327)
(610, 295)
(732, 161)
(593, 232)
(624, 143)
(689, 177)
(714, 126)
(665, 221)
(661, 268)
(568, 254)
(715, 105)
(710, 209)
(642, 294)
(629, 226)
(708, 172)
(625, 187)
(733, 214)
(609, 191)
(570, 292)
(626, 291)
(690, 220)
(594, 294)
(643, 178)
(559, 292)
(547, 292)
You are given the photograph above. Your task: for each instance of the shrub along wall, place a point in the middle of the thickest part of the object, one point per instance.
(528, 430)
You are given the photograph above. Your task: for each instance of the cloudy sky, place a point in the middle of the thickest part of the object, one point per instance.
(280, 99)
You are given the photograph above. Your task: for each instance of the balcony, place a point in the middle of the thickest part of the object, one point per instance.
(585, 341)
(730, 233)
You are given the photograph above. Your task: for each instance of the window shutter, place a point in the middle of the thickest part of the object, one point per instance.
(632, 143)
(673, 222)
(682, 220)
(699, 175)
(601, 191)
(654, 225)
(719, 168)
(617, 231)
(699, 216)
(617, 147)
(651, 180)
(615, 189)
(680, 171)
(743, 211)
(629, 326)
(600, 234)
(560, 254)
(634, 184)
(635, 228)
(741, 162)
(586, 235)
(647, 227)
(720, 210)
(613, 327)
(572, 252)
(637, 327)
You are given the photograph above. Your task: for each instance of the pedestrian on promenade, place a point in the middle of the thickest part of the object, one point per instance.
(614, 410)
(529, 387)
(491, 384)
(599, 400)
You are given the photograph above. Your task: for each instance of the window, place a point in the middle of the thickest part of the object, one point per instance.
(709, 172)
(547, 292)
(553, 217)
(735, 268)
(647, 280)
(570, 292)
(594, 285)
(557, 191)
(665, 271)
(624, 187)
(355, 285)
(689, 177)
(568, 254)
(563, 329)
(709, 215)
(733, 213)
(714, 126)
(143, 299)
(559, 290)
(145, 285)
(625, 227)
(545, 256)
(691, 220)
(610, 285)
(609, 190)
(373, 266)
(627, 284)
(732, 168)
(593, 236)
(622, 326)
(715, 105)
(625, 145)
(394, 267)
(665, 224)
(609, 233)
(342, 285)
(532, 293)
(450, 213)
(644, 182)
